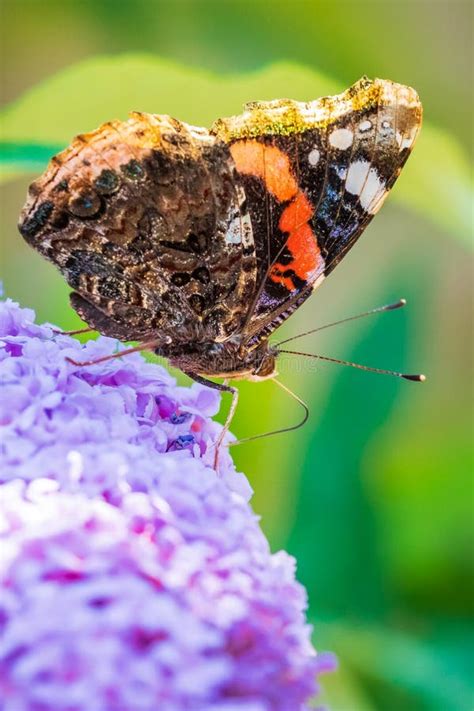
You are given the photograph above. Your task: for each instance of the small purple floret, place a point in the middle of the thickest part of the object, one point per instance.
(132, 576)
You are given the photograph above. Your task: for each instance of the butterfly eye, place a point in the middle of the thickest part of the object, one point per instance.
(86, 204)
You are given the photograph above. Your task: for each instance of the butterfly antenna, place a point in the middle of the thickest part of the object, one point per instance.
(379, 309)
(419, 378)
(283, 429)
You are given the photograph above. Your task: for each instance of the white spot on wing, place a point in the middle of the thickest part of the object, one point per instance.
(233, 234)
(313, 156)
(362, 180)
(365, 126)
(356, 176)
(341, 138)
(246, 225)
(373, 188)
(406, 141)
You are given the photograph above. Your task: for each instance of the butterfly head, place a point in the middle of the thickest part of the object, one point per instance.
(263, 362)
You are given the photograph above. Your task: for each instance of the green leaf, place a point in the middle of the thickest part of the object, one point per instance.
(423, 674)
(436, 181)
(85, 95)
(335, 512)
(19, 158)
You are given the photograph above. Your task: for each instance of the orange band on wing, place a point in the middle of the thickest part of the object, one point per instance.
(272, 166)
(267, 163)
(296, 214)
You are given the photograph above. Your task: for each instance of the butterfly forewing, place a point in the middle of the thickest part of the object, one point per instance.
(336, 159)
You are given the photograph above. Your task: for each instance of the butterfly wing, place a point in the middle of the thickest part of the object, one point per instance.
(314, 175)
(145, 219)
(185, 235)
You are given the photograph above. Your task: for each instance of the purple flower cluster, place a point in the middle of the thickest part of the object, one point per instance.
(132, 576)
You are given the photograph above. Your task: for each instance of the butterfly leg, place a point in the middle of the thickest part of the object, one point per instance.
(223, 387)
(150, 345)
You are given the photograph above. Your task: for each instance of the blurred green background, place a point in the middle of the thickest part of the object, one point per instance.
(374, 496)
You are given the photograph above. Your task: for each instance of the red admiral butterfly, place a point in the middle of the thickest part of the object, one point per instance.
(199, 243)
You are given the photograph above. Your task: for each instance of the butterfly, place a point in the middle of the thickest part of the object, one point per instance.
(200, 243)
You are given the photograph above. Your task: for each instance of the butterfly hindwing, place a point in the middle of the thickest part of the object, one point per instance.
(146, 220)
